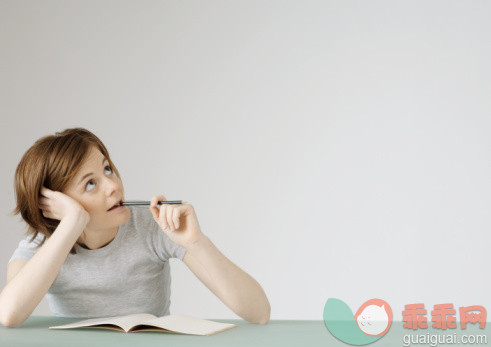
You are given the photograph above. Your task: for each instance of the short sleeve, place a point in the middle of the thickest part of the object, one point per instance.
(164, 247)
(26, 249)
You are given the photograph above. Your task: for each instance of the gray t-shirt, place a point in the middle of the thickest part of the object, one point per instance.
(129, 275)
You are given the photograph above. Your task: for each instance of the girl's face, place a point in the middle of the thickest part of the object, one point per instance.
(97, 188)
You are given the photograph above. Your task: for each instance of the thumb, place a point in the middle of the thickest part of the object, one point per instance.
(154, 206)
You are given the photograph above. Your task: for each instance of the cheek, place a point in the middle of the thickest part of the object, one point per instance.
(93, 208)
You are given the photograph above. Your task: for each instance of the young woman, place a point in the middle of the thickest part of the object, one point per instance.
(93, 260)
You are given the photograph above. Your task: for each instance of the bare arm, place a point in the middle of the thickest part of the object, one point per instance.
(24, 292)
(234, 287)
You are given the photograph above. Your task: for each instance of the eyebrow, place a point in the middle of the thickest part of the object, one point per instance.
(91, 173)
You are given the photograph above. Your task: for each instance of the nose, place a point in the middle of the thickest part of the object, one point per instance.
(111, 185)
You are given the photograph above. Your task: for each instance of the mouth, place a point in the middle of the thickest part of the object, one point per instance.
(116, 205)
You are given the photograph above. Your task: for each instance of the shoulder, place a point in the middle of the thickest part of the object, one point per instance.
(31, 241)
(27, 247)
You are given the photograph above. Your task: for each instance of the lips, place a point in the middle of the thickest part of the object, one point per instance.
(116, 205)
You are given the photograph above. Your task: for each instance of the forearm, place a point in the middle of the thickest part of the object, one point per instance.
(234, 287)
(25, 291)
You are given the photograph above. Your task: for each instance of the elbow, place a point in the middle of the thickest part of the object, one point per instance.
(9, 322)
(257, 318)
(265, 320)
(9, 315)
(265, 317)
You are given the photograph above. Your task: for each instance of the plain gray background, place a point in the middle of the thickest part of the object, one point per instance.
(331, 149)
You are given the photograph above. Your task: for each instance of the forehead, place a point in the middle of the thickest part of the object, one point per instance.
(94, 158)
(92, 163)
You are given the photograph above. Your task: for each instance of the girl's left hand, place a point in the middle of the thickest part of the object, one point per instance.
(179, 222)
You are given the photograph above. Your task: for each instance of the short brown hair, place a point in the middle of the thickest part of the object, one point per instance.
(53, 161)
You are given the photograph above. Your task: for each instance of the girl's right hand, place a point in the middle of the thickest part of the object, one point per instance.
(57, 205)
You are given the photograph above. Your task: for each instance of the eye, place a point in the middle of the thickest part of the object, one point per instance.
(92, 182)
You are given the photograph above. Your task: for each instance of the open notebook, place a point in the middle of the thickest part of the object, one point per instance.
(181, 324)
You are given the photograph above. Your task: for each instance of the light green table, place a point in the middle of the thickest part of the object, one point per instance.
(35, 332)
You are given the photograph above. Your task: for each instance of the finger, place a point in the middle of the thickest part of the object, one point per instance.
(47, 214)
(155, 199)
(161, 197)
(43, 202)
(46, 192)
(169, 211)
(175, 217)
(162, 217)
(153, 208)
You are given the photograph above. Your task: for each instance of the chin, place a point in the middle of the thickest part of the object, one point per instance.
(125, 215)
(120, 217)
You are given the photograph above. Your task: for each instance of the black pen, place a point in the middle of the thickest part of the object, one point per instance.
(139, 202)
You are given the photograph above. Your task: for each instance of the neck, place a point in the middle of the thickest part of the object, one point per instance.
(92, 239)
